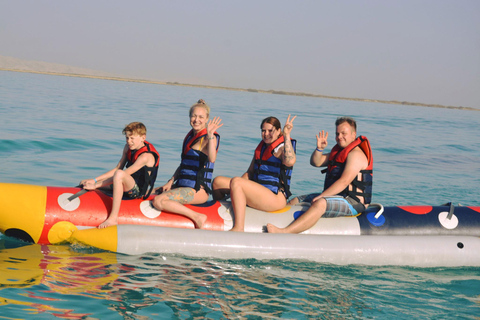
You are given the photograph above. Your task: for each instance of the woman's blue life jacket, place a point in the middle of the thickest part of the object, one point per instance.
(195, 169)
(144, 177)
(269, 171)
(336, 165)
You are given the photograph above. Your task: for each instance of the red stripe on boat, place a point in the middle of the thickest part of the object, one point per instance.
(417, 209)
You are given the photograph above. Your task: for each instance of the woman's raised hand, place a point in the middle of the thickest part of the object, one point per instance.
(287, 128)
(213, 125)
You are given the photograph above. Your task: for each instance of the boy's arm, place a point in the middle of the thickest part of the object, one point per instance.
(106, 178)
(120, 165)
(143, 160)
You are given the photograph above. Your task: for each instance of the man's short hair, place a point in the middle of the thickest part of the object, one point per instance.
(350, 121)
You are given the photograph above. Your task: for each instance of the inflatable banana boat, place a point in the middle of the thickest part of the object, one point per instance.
(401, 235)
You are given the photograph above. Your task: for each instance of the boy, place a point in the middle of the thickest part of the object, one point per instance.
(140, 160)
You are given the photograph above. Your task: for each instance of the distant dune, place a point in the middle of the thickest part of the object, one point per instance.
(19, 65)
(9, 63)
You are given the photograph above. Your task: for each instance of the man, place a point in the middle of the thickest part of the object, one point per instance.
(348, 183)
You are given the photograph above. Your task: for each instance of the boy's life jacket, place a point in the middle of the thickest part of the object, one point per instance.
(144, 177)
(195, 169)
(336, 165)
(269, 171)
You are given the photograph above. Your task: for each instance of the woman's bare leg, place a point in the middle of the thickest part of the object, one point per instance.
(173, 201)
(221, 187)
(245, 192)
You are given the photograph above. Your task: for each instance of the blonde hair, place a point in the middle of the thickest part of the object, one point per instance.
(135, 127)
(200, 103)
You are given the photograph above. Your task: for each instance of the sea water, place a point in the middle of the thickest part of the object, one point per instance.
(59, 130)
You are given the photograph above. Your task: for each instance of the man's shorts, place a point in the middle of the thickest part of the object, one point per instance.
(337, 206)
(133, 193)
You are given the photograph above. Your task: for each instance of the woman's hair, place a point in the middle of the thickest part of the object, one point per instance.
(135, 127)
(274, 122)
(202, 104)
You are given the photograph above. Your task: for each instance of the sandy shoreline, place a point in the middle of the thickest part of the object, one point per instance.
(235, 89)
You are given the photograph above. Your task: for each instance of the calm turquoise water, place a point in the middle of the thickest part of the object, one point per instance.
(59, 130)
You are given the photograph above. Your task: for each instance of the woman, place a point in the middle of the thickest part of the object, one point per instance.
(266, 184)
(191, 182)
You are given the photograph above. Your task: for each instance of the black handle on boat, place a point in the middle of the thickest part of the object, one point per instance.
(450, 212)
(76, 195)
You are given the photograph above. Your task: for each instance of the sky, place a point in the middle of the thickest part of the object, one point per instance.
(425, 51)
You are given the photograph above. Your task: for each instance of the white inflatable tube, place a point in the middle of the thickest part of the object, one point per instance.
(421, 251)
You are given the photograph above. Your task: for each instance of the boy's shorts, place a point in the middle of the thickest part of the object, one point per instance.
(337, 206)
(133, 193)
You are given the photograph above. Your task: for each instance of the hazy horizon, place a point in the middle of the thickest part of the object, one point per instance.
(415, 51)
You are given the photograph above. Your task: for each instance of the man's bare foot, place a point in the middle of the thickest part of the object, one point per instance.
(237, 229)
(200, 221)
(273, 229)
(107, 223)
